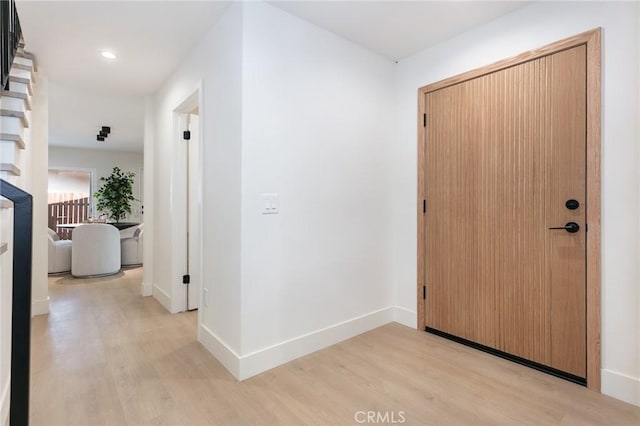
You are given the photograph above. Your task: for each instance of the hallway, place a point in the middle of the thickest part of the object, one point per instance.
(107, 356)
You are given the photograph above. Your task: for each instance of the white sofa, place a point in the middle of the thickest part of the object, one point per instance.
(131, 244)
(59, 254)
(96, 250)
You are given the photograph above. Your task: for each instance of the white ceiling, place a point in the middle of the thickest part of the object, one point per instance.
(152, 37)
(87, 91)
(397, 29)
(76, 116)
(149, 37)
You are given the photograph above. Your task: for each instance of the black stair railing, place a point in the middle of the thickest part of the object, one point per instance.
(21, 302)
(10, 36)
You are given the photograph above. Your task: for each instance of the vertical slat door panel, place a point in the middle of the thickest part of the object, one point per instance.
(567, 176)
(520, 233)
(495, 146)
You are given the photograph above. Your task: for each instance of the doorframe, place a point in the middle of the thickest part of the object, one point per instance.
(592, 40)
(195, 99)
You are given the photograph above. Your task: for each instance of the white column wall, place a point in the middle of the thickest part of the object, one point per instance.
(317, 119)
(39, 160)
(148, 257)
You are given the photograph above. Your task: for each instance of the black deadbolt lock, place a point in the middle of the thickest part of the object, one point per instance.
(572, 204)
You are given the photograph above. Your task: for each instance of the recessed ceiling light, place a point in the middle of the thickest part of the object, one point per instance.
(108, 54)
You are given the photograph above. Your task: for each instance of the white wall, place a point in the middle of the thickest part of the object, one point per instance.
(529, 28)
(293, 109)
(103, 162)
(39, 156)
(316, 130)
(149, 220)
(216, 63)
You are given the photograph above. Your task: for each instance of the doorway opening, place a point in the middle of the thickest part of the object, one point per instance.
(69, 198)
(188, 200)
(192, 226)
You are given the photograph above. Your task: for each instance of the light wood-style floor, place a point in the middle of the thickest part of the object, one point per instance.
(107, 356)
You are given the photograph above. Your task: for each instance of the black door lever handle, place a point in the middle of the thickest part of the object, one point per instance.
(570, 227)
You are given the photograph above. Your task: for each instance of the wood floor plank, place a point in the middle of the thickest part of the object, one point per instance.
(107, 356)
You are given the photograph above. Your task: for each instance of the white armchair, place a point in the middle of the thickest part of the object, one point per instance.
(96, 250)
(59, 254)
(131, 242)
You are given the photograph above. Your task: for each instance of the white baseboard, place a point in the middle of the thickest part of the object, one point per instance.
(621, 386)
(220, 350)
(4, 409)
(40, 307)
(405, 316)
(162, 297)
(245, 366)
(273, 356)
(146, 289)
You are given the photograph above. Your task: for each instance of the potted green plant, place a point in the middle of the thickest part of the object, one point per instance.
(116, 194)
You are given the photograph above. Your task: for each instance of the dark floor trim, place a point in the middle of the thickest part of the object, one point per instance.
(540, 367)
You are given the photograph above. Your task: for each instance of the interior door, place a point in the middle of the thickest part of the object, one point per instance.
(194, 208)
(505, 167)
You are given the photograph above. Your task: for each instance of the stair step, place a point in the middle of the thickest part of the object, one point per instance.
(28, 56)
(10, 168)
(12, 126)
(19, 80)
(15, 79)
(20, 66)
(15, 114)
(19, 71)
(17, 139)
(18, 95)
(24, 62)
(12, 104)
(9, 153)
(3, 248)
(5, 204)
(21, 44)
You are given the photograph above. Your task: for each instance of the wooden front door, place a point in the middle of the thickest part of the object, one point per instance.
(505, 167)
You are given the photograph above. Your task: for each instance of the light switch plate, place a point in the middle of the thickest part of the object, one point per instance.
(270, 203)
(205, 297)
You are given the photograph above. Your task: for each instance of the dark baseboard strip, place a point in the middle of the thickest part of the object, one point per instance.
(540, 367)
